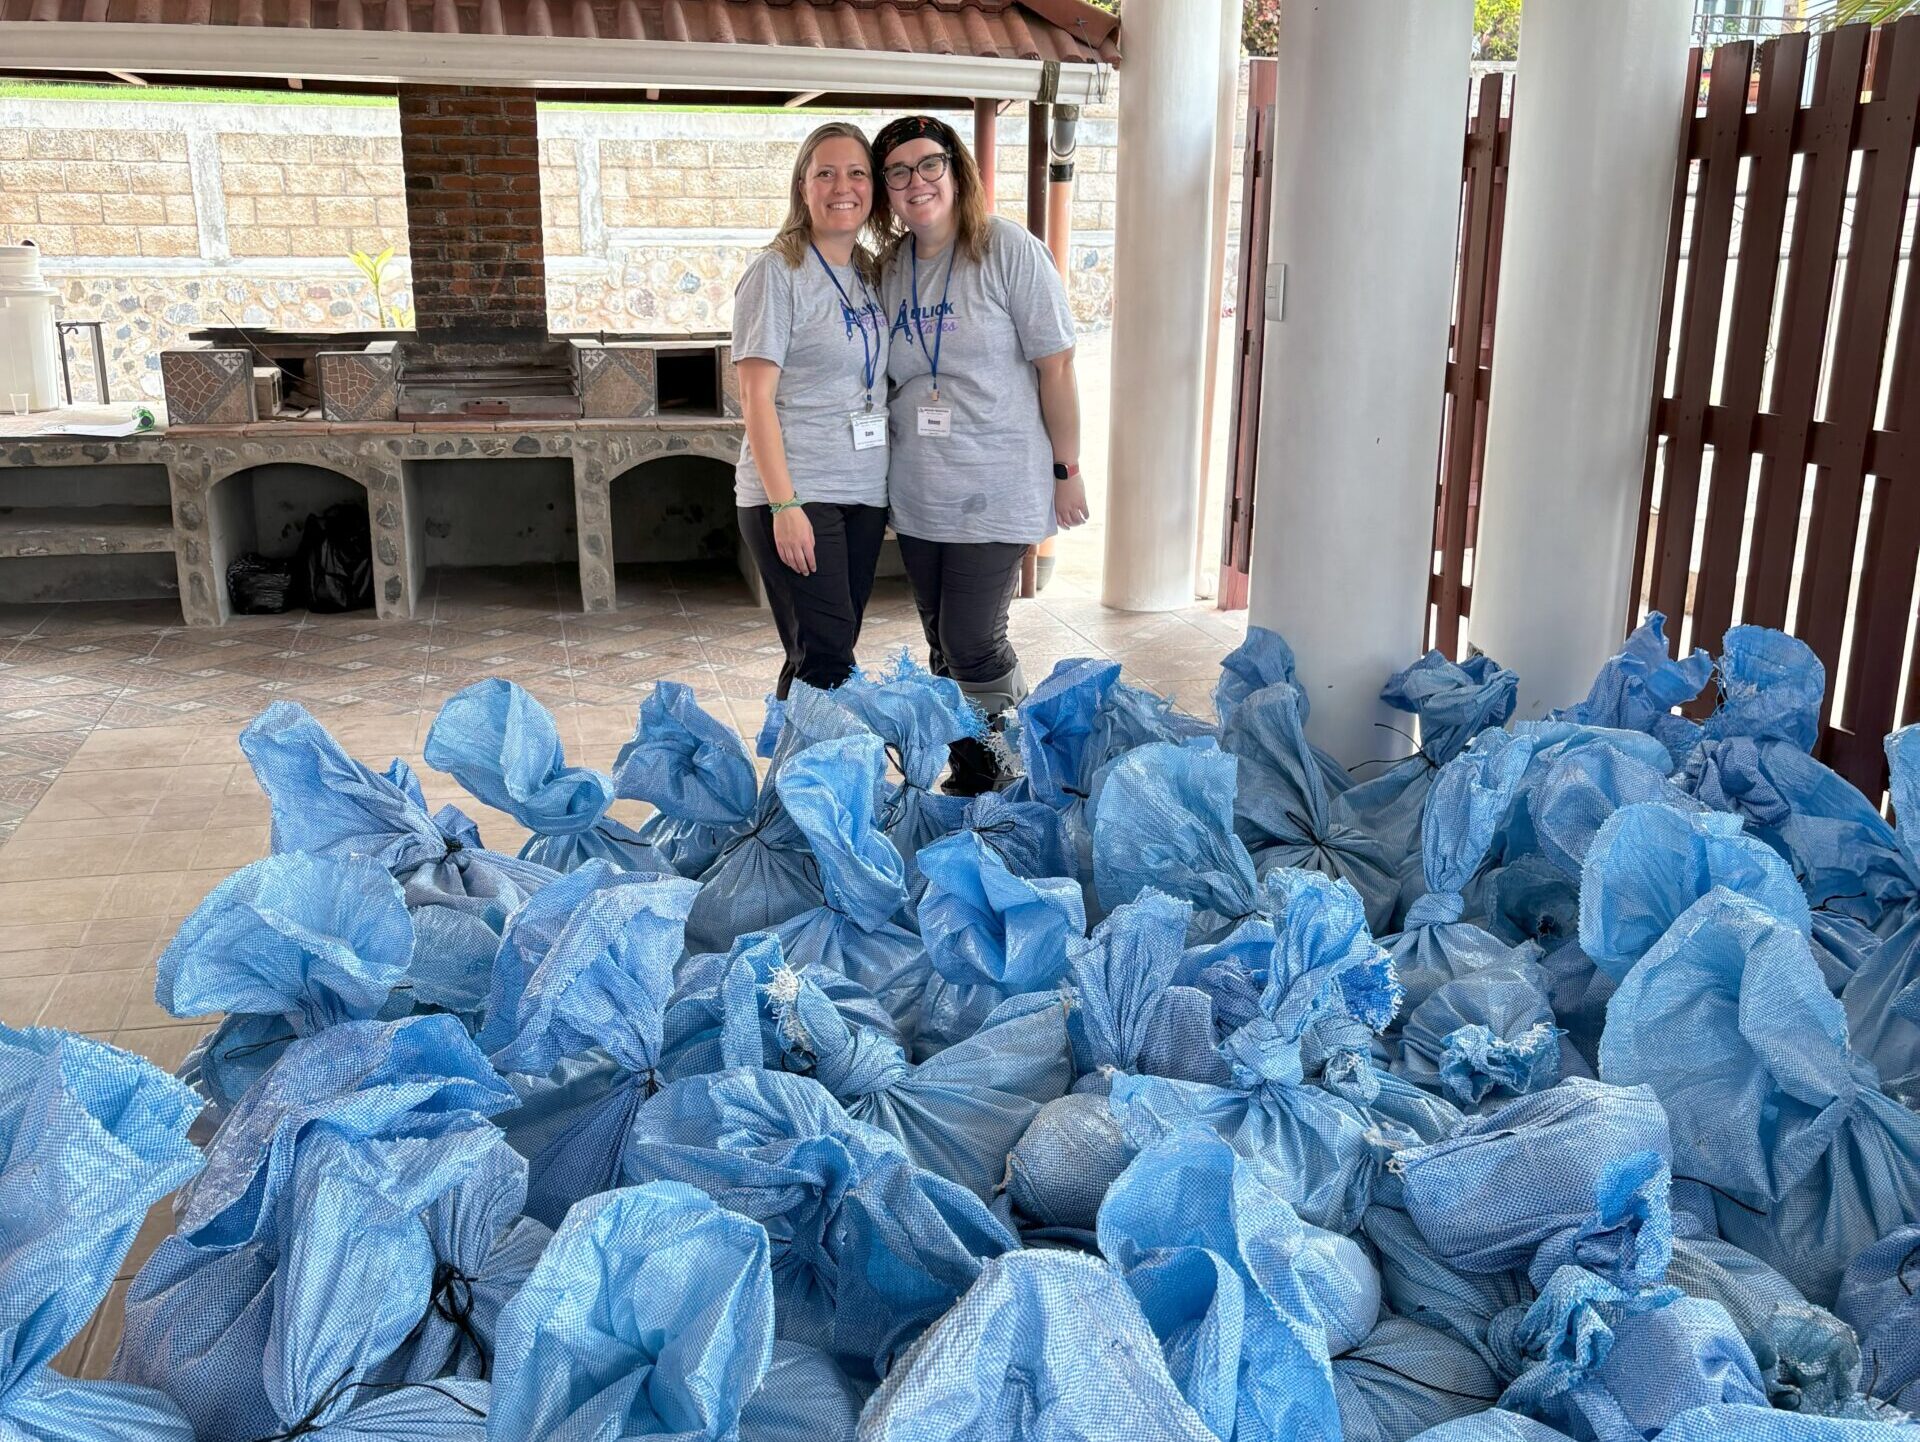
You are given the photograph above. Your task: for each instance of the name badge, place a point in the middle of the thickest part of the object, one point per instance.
(870, 431)
(936, 420)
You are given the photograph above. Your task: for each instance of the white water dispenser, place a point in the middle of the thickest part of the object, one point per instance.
(29, 345)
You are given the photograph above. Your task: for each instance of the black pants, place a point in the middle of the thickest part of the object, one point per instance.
(818, 616)
(963, 591)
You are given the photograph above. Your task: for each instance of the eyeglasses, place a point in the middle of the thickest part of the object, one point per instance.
(928, 167)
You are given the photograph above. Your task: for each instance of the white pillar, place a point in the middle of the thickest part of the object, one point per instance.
(1163, 216)
(1595, 136)
(1369, 130)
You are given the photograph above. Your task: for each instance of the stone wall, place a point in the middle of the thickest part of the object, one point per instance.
(166, 216)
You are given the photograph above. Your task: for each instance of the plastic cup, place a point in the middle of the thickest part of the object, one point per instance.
(18, 400)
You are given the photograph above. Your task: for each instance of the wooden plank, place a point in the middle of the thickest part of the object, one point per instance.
(1236, 545)
(1860, 344)
(1456, 464)
(1663, 340)
(1782, 71)
(1716, 184)
(1803, 327)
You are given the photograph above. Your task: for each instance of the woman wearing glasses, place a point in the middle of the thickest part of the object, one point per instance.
(985, 424)
(810, 342)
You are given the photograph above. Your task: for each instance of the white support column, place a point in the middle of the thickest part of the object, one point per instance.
(1168, 104)
(1368, 130)
(1595, 135)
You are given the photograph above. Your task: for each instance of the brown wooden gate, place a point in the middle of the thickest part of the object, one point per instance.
(1250, 318)
(1783, 474)
(1483, 208)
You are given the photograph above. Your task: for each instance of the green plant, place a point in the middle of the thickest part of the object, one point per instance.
(1496, 29)
(1826, 14)
(374, 267)
(1259, 24)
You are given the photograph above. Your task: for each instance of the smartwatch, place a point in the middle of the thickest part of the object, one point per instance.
(1065, 471)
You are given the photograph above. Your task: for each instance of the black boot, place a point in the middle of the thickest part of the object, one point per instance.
(973, 768)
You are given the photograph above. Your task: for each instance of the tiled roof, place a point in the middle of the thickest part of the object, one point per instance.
(1059, 30)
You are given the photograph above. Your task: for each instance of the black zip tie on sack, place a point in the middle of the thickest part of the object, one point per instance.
(452, 1300)
(1722, 1192)
(308, 1425)
(1418, 750)
(1350, 1356)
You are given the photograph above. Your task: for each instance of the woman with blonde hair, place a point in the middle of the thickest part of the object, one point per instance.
(985, 420)
(810, 342)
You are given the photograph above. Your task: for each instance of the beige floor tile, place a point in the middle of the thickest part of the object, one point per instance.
(34, 831)
(158, 850)
(113, 956)
(141, 746)
(39, 936)
(141, 896)
(75, 898)
(230, 847)
(91, 1000)
(121, 930)
(104, 1338)
(165, 1046)
(45, 860)
(22, 998)
(208, 780)
(51, 961)
(143, 1012)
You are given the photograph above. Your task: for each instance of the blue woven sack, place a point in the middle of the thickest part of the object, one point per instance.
(868, 1249)
(1772, 687)
(327, 803)
(1465, 806)
(1879, 1299)
(1575, 795)
(599, 992)
(1405, 1378)
(693, 770)
(1649, 863)
(1577, 1175)
(276, 1313)
(286, 947)
(90, 1138)
(1492, 1425)
(958, 1113)
(989, 935)
(714, 1019)
(650, 1316)
(1421, 1285)
(1127, 1015)
(766, 874)
(1605, 1364)
(1026, 835)
(830, 793)
(1808, 1358)
(1236, 1287)
(1638, 689)
(1044, 1347)
(1288, 812)
(1061, 1169)
(1328, 1149)
(1882, 995)
(1846, 856)
(1728, 1021)
(1484, 1039)
(917, 715)
(1165, 821)
(1453, 704)
(1260, 660)
(1718, 1422)
(501, 744)
(805, 1397)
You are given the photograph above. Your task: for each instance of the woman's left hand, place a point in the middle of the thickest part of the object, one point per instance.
(1070, 501)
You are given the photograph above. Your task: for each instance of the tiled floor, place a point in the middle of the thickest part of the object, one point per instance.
(127, 799)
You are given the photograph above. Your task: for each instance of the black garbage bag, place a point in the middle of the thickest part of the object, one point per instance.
(335, 563)
(260, 585)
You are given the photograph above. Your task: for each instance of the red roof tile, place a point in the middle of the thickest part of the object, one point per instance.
(1062, 30)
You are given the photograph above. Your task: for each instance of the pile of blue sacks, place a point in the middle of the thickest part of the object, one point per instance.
(1551, 1084)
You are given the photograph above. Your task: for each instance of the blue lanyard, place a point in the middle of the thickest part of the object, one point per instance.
(940, 317)
(857, 320)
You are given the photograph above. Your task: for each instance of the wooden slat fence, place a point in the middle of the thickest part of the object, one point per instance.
(1250, 321)
(1783, 473)
(1483, 206)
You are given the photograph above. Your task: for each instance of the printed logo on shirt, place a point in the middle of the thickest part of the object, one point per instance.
(912, 319)
(867, 318)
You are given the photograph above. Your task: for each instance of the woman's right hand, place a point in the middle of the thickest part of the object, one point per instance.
(793, 539)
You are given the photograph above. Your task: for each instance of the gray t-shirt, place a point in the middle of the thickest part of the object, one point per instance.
(794, 317)
(992, 478)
